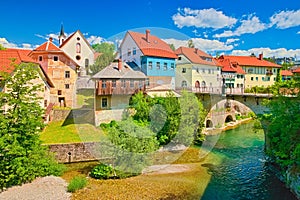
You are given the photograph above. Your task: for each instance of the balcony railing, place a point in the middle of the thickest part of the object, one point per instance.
(119, 88)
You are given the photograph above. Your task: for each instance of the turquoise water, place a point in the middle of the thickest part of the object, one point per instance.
(241, 171)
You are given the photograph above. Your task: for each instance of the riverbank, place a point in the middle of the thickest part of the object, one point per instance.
(228, 126)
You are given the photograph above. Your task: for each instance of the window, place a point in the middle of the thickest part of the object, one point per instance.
(128, 52)
(59, 92)
(238, 85)
(165, 66)
(172, 66)
(275, 79)
(131, 83)
(251, 78)
(55, 58)
(268, 78)
(256, 78)
(134, 51)
(78, 57)
(179, 58)
(67, 86)
(67, 74)
(104, 102)
(40, 58)
(78, 38)
(150, 65)
(238, 76)
(45, 103)
(104, 84)
(183, 70)
(140, 84)
(209, 71)
(262, 78)
(78, 48)
(157, 65)
(203, 71)
(86, 63)
(183, 84)
(123, 83)
(114, 83)
(250, 71)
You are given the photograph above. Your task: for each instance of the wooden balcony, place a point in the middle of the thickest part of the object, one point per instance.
(119, 88)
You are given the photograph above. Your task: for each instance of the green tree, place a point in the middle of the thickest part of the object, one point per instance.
(106, 57)
(141, 104)
(2, 47)
(191, 44)
(22, 158)
(172, 47)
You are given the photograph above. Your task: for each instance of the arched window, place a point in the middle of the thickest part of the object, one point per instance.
(197, 84)
(203, 84)
(184, 84)
(78, 48)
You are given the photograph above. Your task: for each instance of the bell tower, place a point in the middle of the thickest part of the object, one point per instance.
(62, 36)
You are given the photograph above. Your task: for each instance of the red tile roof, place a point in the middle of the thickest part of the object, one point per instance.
(286, 73)
(153, 47)
(228, 66)
(296, 70)
(249, 61)
(7, 55)
(47, 46)
(197, 56)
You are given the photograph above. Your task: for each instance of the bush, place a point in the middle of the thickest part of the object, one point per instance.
(77, 183)
(102, 171)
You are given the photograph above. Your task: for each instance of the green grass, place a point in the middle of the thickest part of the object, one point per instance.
(56, 132)
(78, 182)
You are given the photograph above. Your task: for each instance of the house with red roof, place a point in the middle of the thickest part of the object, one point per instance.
(197, 71)
(152, 56)
(286, 75)
(258, 72)
(61, 69)
(11, 57)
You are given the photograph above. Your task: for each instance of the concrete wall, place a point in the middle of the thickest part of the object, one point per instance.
(105, 116)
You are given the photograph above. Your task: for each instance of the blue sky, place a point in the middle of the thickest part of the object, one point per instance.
(236, 27)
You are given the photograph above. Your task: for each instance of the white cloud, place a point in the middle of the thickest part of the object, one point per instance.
(231, 40)
(95, 39)
(298, 32)
(285, 19)
(267, 52)
(53, 35)
(205, 18)
(5, 43)
(26, 46)
(250, 25)
(202, 44)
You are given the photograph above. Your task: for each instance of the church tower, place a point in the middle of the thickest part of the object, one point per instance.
(62, 36)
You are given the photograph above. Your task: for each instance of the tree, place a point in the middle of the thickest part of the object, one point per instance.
(2, 47)
(172, 47)
(191, 44)
(141, 104)
(106, 57)
(22, 158)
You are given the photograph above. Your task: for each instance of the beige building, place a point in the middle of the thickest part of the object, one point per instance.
(197, 71)
(61, 69)
(78, 49)
(21, 56)
(259, 72)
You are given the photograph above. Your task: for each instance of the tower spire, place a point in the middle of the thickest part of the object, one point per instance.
(62, 35)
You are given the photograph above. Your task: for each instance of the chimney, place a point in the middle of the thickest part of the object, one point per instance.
(147, 35)
(260, 56)
(119, 64)
(50, 39)
(196, 50)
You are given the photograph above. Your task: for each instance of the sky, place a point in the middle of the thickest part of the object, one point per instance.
(238, 27)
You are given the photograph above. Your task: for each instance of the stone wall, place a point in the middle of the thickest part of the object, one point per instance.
(76, 152)
(60, 115)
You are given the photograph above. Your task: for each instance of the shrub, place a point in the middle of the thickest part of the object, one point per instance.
(102, 171)
(77, 183)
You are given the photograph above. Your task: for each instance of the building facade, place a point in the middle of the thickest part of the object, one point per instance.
(61, 69)
(152, 56)
(197, 71)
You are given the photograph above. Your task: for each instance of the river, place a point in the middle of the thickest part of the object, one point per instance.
(238, 168)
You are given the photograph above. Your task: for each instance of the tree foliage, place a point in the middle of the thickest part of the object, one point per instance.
(2, 47)
(106, 57)
(191, 44)
(22, 158)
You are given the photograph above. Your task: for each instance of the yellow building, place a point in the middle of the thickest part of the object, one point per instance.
(259, 72)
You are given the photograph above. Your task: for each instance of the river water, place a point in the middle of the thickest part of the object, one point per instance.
(238, 168)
